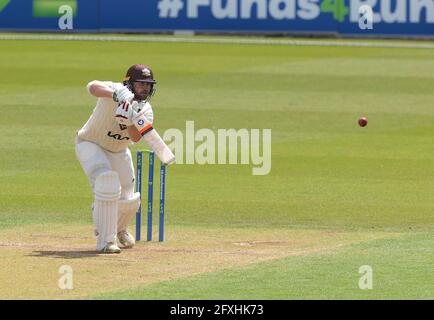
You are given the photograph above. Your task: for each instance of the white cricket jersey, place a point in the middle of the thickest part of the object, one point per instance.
(102, 127)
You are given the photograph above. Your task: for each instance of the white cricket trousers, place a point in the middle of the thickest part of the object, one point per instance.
(95, 160)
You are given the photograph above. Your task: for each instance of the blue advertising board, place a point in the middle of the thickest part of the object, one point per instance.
(390, 17)
(220, 15)
(345, 17)
(49, 15)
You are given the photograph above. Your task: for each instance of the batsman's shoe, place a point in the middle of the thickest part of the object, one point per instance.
(110, 248)
(126, 239)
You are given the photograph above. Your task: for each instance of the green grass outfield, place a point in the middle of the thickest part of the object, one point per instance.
(355, 196)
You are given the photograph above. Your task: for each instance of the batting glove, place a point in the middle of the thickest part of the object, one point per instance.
(124, 113)
(123, 94)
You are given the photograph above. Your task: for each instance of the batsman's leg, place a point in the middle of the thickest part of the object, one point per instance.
(106, 189)
(129, 202)
(105, 211)
(127, 209)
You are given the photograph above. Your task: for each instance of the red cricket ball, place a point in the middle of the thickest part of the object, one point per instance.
(363, 121)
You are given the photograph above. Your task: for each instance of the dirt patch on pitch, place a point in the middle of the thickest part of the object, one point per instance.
(32, 256)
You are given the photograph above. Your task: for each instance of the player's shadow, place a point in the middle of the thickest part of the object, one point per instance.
(76, 254)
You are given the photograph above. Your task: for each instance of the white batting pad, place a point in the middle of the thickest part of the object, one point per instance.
(126, 211)
(105, 211)
(160, 148)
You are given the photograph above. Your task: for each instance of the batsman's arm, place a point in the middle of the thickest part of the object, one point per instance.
(138, 119)
(134, 133)
(99, 89)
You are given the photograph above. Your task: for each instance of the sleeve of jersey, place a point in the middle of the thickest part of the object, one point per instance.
(114, 85)
(108, 84)
(146, 129)
(90, 84)
(149, 113)
(142, 124)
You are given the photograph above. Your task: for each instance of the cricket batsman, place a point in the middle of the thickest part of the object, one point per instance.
(122, 116)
